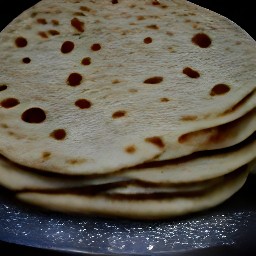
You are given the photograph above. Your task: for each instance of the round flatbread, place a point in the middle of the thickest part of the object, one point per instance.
(141, 206)
(95, 86)
(195, 168)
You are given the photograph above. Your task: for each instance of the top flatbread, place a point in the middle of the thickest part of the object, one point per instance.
(95, 86)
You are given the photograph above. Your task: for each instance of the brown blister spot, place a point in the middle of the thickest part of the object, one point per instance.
(238, 104)
(148, 40)
(42, 34)
(130, 149)
(41, 21)
(191, 72)
(59, 134)
(33, 14)
(202, 40)
(86, 61)
(55, 22)
(4, 126)
(169, 33)
(155, 2)
(116, 81)
(164, 100)
(3, 87)
(83, 103)
(9, 103)
(209, 136)
(189, 118)
(67, 47)
(21, 42)
(85, 9)
(157, 141)
(26, 60)
(46, 155)
(140, 18)
(154, 80)
(33, 116)
(75, 161)
(114, 1)
(153, 26)
(53, 32)
(78, 14)
(74, 79)
(219, 89)
(77, 24)
(119, 114)
(95, 47)
(133, 90)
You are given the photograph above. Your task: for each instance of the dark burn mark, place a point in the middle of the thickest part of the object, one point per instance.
(189, 118)
(86, 61)
(148, 40)
(157, 141)
(119, 114)
(154, 80)
(41, 21)
(10, 103)
(114, 1)
(3, 87)
(191, 73)
(74, 79)
(130, 149)
(33, 116)
(67, 47)
(95, 47)
(43, 34)
(59, 134)
(152, 26)
(53, 32)
(21, 42)
(219, 89)
(26, 60)
(83, 103)
(77, 24)
(202, 40)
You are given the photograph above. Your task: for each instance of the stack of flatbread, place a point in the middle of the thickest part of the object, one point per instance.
(139, 109)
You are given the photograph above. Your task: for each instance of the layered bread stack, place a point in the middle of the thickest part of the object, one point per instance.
(137, 109)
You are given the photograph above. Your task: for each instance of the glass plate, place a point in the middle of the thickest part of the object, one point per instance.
(230, 226)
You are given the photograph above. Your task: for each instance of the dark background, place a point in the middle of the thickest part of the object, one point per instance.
(241, 12)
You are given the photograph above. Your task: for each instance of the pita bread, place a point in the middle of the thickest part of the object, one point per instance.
(142, 206)
(95, 86)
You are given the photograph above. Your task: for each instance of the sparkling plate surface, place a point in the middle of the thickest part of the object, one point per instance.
(232, 225)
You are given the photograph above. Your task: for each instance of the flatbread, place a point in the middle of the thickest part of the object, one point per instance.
(194, 168)
(95, 86)
(140, 207)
